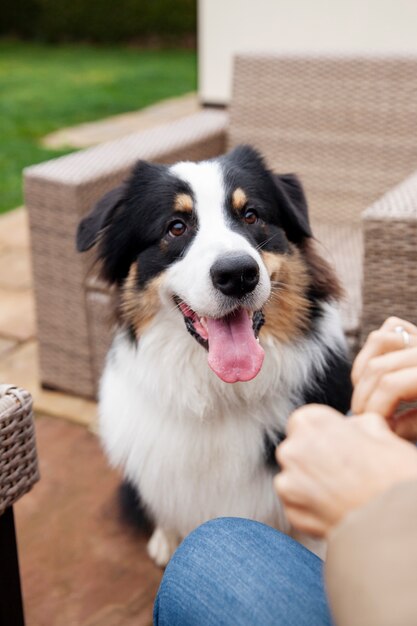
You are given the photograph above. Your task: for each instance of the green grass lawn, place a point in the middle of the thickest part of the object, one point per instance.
(44, 88)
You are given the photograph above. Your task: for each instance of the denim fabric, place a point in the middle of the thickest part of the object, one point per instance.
(237, 572)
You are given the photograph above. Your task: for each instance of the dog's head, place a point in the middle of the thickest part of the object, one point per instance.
(218, 241)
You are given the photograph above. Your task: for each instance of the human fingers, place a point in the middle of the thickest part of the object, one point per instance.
(309, 415)
(392, 388)
(383, 340)
(307, 522)
(376, 368)
(378, 342)
(405, 425)
(392, 322)
(294, 487)
(371, 423)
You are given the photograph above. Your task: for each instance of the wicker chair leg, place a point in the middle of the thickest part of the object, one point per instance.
(11, 605)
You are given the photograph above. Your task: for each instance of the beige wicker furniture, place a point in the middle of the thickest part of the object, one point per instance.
(345, 125)
(18, 473)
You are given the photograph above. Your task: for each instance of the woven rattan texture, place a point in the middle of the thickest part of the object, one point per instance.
(347, 127)
(390, 233)
(58, 194)
(18, 459)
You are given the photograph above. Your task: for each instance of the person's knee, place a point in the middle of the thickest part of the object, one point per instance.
(205, 560)
(189, 565)
(215, 529)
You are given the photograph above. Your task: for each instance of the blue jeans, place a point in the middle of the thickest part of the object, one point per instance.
(237, 572)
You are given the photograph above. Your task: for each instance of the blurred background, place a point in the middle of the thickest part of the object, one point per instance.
(296, 27)
(63, 63)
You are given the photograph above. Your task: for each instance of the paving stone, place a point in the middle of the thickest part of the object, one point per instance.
(80, 564)
(117, 126)
(14, 229)
(137, 613)
(21, 368)
(17, 314)
(15, 268)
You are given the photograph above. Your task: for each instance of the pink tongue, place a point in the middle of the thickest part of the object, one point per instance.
(234, 353)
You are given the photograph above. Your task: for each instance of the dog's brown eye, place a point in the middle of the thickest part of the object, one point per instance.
(176, 229)
(250, 216)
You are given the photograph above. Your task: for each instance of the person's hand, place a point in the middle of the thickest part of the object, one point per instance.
(385, 373)
(332, 464)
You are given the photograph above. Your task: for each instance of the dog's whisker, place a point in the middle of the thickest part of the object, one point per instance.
(264, 243)
(172, 309)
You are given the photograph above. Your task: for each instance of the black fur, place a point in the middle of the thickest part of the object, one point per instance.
(100, 217)
(131, 508)
(278, 199)
(333, 388)
(135, 228)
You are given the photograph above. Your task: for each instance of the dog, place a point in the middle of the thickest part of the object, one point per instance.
(227, 321)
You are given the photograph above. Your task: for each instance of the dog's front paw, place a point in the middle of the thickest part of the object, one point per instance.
(162, 545)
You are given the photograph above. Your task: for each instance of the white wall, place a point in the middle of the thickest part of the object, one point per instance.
(229, 26)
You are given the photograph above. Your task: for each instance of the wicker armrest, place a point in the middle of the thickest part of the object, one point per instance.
(198, 136)
(390, 259)
(18, 459)
(58, 193)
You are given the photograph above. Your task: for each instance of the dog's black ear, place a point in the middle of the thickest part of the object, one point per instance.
(91, 226)
(293, 204)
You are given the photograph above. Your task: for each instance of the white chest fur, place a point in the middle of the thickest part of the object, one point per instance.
(192, 444)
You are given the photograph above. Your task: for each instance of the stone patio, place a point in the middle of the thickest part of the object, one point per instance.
(86, 135)
(81, 565)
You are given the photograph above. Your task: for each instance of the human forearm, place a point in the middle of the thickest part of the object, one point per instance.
(372, 562)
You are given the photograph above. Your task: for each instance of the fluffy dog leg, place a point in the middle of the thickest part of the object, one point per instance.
(162, 545)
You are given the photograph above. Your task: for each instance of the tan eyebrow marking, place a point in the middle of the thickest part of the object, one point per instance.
(183, 203)
(239, 199)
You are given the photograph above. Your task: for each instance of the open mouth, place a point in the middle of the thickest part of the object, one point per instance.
(234, 352)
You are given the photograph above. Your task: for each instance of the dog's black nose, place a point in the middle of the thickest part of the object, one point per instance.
(235, 274)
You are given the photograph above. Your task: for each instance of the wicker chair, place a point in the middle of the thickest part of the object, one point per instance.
(345, 125)
(18, 473)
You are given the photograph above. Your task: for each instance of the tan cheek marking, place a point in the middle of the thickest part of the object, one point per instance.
(287, 310)
(139, 307)
(239, 199)
(273, 263)
(183, 203)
